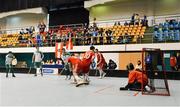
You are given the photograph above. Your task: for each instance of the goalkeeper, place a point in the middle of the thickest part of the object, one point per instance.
(136, 79)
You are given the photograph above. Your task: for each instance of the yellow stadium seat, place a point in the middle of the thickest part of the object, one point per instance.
(131, 26)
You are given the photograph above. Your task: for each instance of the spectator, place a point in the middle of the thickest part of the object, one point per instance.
(173, 62)
(1, 31)
(94, 35)
(52, 62)
(148, 62)
(126, 38)
(119, 23)
(144, 22)
(137, 19)
(125, 24)
(178, 61)
(38, 38)
(31, 30)
(133, 19)
(22, 32)
(41, 27)
(115, 24)
(112, 64)
(20, 38)
(109, 36)
(138, 66)
(30, 42)
(94, 23)
(101, 36)
(176, 32)
(59, 61)
(53, 39)
(120, 39)
(48, 38)
(156, 29)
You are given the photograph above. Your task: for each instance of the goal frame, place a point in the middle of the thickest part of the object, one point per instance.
(144, 50)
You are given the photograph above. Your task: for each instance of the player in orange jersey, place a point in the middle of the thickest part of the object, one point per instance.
(136, 79)
(82, 65)
(100, 63)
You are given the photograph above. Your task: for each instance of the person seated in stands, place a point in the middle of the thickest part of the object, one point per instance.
(89, 35)
(24, 40)
(156, 29)
(109, 36)
(119, 23)
(29, 42)
(53, 38)
(1, 31)
(171, 31)
(126, 38)
(101, 36)
(165, 30)
(176, 32)
(136, 79)
(38, 38)
(160, 32)
(30, 30)
(95, 34)
(111, 64)
(21, 32)
(120, 39)
(115, 24)
(20, 38)
(125, 24)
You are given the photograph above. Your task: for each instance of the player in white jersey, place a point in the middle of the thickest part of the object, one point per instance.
(37, 60)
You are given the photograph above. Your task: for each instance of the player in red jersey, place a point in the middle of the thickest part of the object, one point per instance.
(82, 65)
(100, 63)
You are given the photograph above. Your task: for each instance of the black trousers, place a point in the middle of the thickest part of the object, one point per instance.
(134, 86)
(9, 68)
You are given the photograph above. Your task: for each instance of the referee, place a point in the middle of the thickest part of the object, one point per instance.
(37, 60)
(9, 58)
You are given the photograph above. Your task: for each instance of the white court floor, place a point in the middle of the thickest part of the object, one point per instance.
(53, 90)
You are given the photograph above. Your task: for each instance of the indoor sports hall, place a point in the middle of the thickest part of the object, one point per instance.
(89, 53)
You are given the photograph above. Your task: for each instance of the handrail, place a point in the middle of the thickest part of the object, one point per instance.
(90, 40)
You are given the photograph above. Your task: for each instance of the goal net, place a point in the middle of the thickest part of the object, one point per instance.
(153, 66)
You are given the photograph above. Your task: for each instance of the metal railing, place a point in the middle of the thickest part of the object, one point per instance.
(91, 40)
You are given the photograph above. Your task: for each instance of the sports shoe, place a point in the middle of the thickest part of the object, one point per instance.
(147, 88)
(13, 76)
(104, 74)
(123, 88)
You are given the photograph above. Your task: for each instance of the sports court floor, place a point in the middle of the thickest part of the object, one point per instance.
(54, 90)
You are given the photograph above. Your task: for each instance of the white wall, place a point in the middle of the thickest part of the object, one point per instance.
(104, 48)
(109, 51)
(123, 9)
(23, 20)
